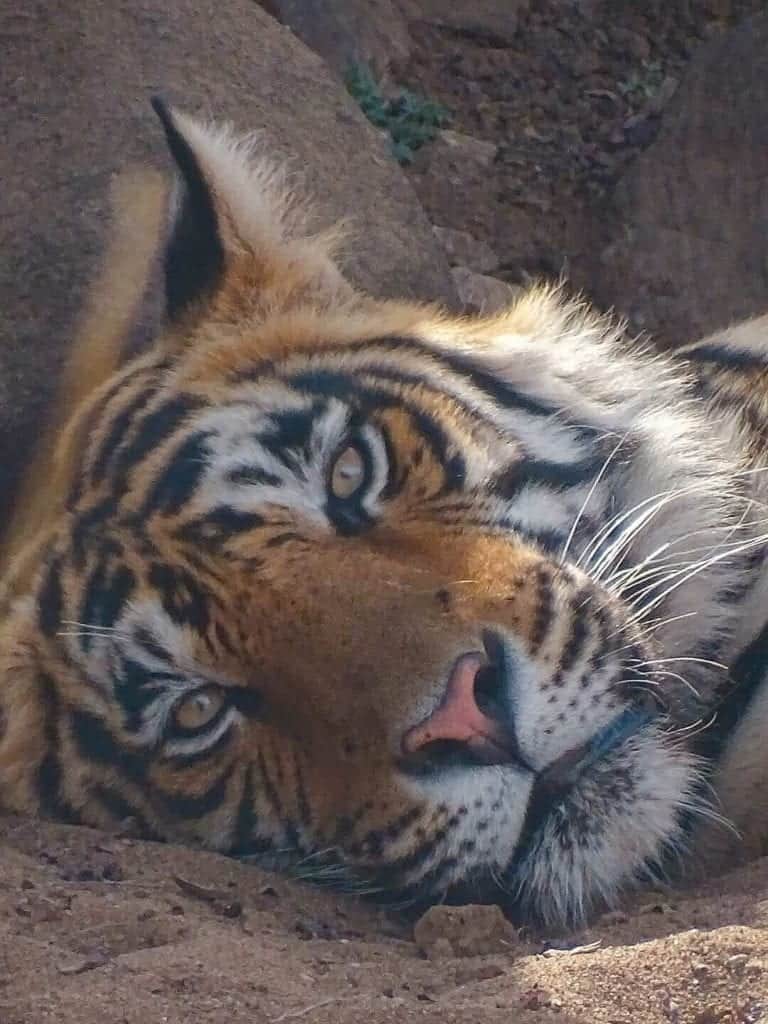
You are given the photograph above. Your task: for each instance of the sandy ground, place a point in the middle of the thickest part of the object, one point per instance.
(95, 928)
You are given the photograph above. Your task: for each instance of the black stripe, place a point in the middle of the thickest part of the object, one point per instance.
(305, 811)
(347, 518)
(545, 610)
(192, 806)
(218, 526)
(732, 359)
(151, 645)
(177, 482)
(390, 876)
(84, 526)
(183, 599)
(223, 637)
(50, 599)
(397, 475)
(96, 743)
(246, 821)
(510, 481)
(278, 539)
(104, 598)
(119, 426)
(268, 787)
(498, 391)
(290, 430)
(373, 842)
(156, 427)
(137, 688)
(453, 464)
(49, 773)
(121, 810)
(253, 475)
(748, 673)
(579, 633)
(247, 700)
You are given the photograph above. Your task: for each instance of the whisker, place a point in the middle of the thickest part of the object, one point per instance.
(690, 658)
(588, 498)
(695, 570)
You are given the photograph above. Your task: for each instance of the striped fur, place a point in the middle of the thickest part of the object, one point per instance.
(199, 633)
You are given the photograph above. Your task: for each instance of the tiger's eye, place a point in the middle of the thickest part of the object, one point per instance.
(198, 709)
(348, 473)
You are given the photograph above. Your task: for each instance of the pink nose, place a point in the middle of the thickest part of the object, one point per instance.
(459, 718)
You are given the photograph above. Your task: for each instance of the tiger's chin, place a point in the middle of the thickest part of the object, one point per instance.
(594, 828)
(623, 823)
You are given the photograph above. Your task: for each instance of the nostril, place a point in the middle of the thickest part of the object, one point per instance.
(469, 725)
(488, 691)
(494, 647)
(492, 679)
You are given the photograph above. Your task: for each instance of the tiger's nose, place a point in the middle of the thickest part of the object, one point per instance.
(468, 724)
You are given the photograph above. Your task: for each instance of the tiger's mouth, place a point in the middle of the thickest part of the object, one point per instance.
(559, 780)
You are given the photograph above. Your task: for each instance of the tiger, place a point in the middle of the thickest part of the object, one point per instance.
(420, 605)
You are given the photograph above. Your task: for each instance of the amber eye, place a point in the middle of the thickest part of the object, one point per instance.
(348, 473)
(198, 709)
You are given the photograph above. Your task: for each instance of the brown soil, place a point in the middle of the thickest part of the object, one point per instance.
(570, 106)
(102, 930)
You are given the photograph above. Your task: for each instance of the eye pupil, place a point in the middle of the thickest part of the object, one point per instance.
(198, 709)
(348, 473)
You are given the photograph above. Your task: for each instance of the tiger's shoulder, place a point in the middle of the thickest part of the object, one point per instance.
(730, 371)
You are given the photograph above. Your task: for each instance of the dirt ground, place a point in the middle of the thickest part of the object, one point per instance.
(102, 930)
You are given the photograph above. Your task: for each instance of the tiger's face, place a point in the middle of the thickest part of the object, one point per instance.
(373, 596)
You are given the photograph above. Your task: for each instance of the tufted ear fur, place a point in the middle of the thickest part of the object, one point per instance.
(239, 247)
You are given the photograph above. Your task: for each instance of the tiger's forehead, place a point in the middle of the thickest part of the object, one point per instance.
(374, 368)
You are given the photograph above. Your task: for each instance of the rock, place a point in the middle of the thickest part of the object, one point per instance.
(461, 248)
(373, 32)
(466, 148)
(463, 931)
(736, 963)
(474, 972)
(74, 94)
(447, 170)
(663, 95)
(638, 46)
(689, 243)
(493, 22)
(480, 293)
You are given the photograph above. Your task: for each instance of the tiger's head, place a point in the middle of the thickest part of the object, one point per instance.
(379, 596)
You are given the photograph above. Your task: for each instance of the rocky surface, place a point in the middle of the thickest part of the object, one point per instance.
(486, 21)
(343, 32)
(688, 252)
(572, 103)
(481, 293)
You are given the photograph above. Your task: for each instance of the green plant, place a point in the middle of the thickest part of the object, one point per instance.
(409, 120)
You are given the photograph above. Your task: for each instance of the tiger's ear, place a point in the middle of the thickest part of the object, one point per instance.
(194, 254)
(239, 243)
